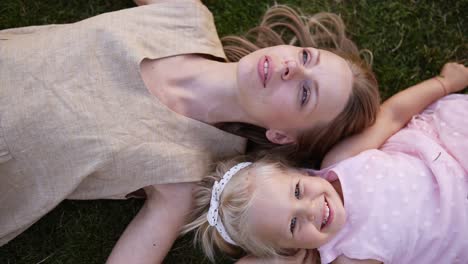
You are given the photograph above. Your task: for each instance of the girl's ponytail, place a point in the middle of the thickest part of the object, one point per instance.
(206, 235)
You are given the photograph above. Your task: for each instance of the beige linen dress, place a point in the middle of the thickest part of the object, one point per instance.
(77, 122)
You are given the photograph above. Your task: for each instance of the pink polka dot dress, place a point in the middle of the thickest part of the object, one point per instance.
(408, 201)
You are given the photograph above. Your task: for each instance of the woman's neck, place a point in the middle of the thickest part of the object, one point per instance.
(196, 87)
(211, 89)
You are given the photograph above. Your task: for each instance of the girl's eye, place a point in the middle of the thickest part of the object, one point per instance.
(305, 94)
(305, 56)
(292, 225)
(297, 191)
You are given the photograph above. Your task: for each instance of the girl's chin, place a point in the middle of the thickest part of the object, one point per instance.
(327, 237)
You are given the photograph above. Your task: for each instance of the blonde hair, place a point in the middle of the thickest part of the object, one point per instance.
(283, 25)
(235, 202)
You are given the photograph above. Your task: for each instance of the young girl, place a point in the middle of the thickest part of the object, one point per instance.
(404, 203)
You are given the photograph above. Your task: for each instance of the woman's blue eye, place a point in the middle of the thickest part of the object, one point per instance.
(305, 56)
(297, 191)
(305, 95)
(293, 224)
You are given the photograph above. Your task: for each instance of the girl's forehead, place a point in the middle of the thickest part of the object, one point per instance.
(268, 214)
(272, 177)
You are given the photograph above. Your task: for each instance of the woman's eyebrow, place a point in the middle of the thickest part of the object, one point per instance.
(315, 85)
(318, 57)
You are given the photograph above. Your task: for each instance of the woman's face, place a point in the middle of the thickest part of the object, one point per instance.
(295, 210)
(292, 89)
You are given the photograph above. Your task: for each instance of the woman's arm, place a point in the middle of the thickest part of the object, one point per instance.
(398, 110)
(150, 235)
(148, 2)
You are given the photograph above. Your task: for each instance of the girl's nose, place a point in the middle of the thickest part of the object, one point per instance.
(290, 70)
(311, 217)
(310, 210)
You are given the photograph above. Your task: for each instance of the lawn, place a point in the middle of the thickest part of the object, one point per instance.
(410, 40)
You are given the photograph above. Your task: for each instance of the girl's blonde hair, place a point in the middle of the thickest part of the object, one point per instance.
(235, 202)
(283, 25)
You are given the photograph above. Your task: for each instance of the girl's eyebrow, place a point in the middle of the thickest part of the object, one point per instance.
(289, 216)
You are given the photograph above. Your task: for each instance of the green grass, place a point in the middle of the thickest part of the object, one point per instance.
(411, 40)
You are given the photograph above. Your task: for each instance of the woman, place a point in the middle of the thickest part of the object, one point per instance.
(132, 99)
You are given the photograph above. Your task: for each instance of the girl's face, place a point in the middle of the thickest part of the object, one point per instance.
(292, 89)
(295, 210)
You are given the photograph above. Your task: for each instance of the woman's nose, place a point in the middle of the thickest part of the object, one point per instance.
(290, 70)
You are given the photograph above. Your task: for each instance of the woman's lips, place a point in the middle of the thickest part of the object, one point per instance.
(265, 69)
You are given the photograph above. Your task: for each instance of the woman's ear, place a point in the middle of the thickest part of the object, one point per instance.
(279, 137)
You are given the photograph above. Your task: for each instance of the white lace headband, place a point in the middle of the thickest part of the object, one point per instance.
(218, 187)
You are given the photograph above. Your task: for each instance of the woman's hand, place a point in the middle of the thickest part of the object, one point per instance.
(141, 2)
(145, 2)
(453, 77)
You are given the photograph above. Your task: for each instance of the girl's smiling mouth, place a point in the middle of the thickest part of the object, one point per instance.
(327, 215)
